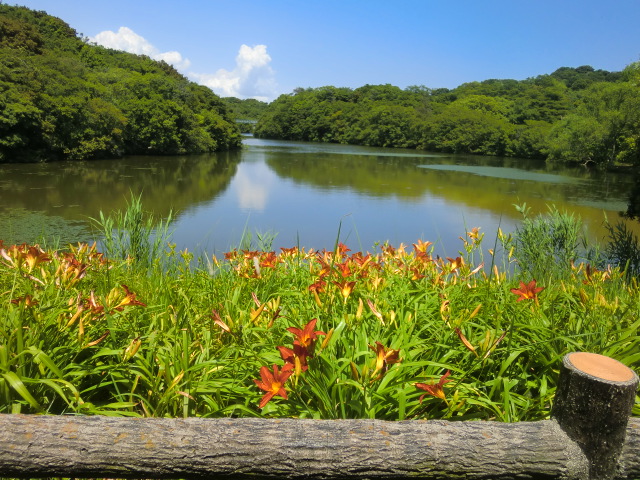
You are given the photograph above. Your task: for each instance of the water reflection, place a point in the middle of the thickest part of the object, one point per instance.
(39, 196)
(308, 194)
(253, 183)
(465, 183)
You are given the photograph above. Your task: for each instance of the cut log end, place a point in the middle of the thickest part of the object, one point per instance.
(602, 367)
(593, 402)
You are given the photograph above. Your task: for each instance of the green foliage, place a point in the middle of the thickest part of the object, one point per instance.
(546, 245)
(460, 129)
(374, 115)
(623, 248)
(63, 98)
(133, 234)
(246, 109)
(575, 115)
(86, 334)
(582, 77)
(245, 112)
(605, 128)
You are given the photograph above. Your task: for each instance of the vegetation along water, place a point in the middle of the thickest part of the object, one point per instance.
(444, 277)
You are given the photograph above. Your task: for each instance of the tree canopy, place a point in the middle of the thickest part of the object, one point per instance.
(62, 98)
(572, 115)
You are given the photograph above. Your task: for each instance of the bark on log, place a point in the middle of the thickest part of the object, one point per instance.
(195, 448)
(629, 464)
(593, 403)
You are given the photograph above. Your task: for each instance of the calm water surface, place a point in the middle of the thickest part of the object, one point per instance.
(307, 194)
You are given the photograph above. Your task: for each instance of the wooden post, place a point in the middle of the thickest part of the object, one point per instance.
(593, 403)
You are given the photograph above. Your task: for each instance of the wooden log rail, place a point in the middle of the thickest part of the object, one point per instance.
(590, 436)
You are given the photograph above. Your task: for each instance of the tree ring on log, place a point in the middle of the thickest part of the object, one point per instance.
(600, 366)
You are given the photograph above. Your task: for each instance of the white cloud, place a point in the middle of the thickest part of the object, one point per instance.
(252, 77)
(129, 41)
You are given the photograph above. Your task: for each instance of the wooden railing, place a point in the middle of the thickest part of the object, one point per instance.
(589, 436)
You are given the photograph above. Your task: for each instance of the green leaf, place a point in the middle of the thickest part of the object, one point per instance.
(17, 384)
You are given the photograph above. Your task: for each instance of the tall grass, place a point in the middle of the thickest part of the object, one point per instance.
(547, 244)
(133, 233)
(623, 248)
(86, 333)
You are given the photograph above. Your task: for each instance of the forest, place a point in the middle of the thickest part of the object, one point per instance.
(62, 98)
(573, 115)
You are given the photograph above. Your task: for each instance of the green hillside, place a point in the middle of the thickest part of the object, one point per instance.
(574, 115)
(62, 98)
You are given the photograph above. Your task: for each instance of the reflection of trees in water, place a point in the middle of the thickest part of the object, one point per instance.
(22, 226)
(82, 189)
(492, 183)
(633, 207)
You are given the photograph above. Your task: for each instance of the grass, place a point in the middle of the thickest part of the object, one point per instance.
(149, 331)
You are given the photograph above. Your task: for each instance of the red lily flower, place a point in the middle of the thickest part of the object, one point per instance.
(318, 286)
(436, 390)
(528, 291)
(306, 336)
(344, 268)
(268, 260)
(289, 355)
(273, 383)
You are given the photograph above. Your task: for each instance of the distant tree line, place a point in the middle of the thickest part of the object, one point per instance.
(246, 111)
(62, 98)
(572, 115)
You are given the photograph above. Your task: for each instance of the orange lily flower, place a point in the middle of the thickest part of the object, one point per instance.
(342, 250)
(129, 299)
(289, 252)
(422, 247)
(232, 255)
(35, 256)
(435, 390)
(306, 336)
(455, 263)
(415, 274)
(384, 357)
(361, 260)
(527, 291)
(346, 288)
(268, 260)
(27, 300)
(315, 288)
(217, 320)
(94, 306)
(273, 383)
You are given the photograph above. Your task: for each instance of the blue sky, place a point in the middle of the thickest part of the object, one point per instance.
(263, 48)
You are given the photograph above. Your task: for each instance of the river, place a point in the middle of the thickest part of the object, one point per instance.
(305, 194)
